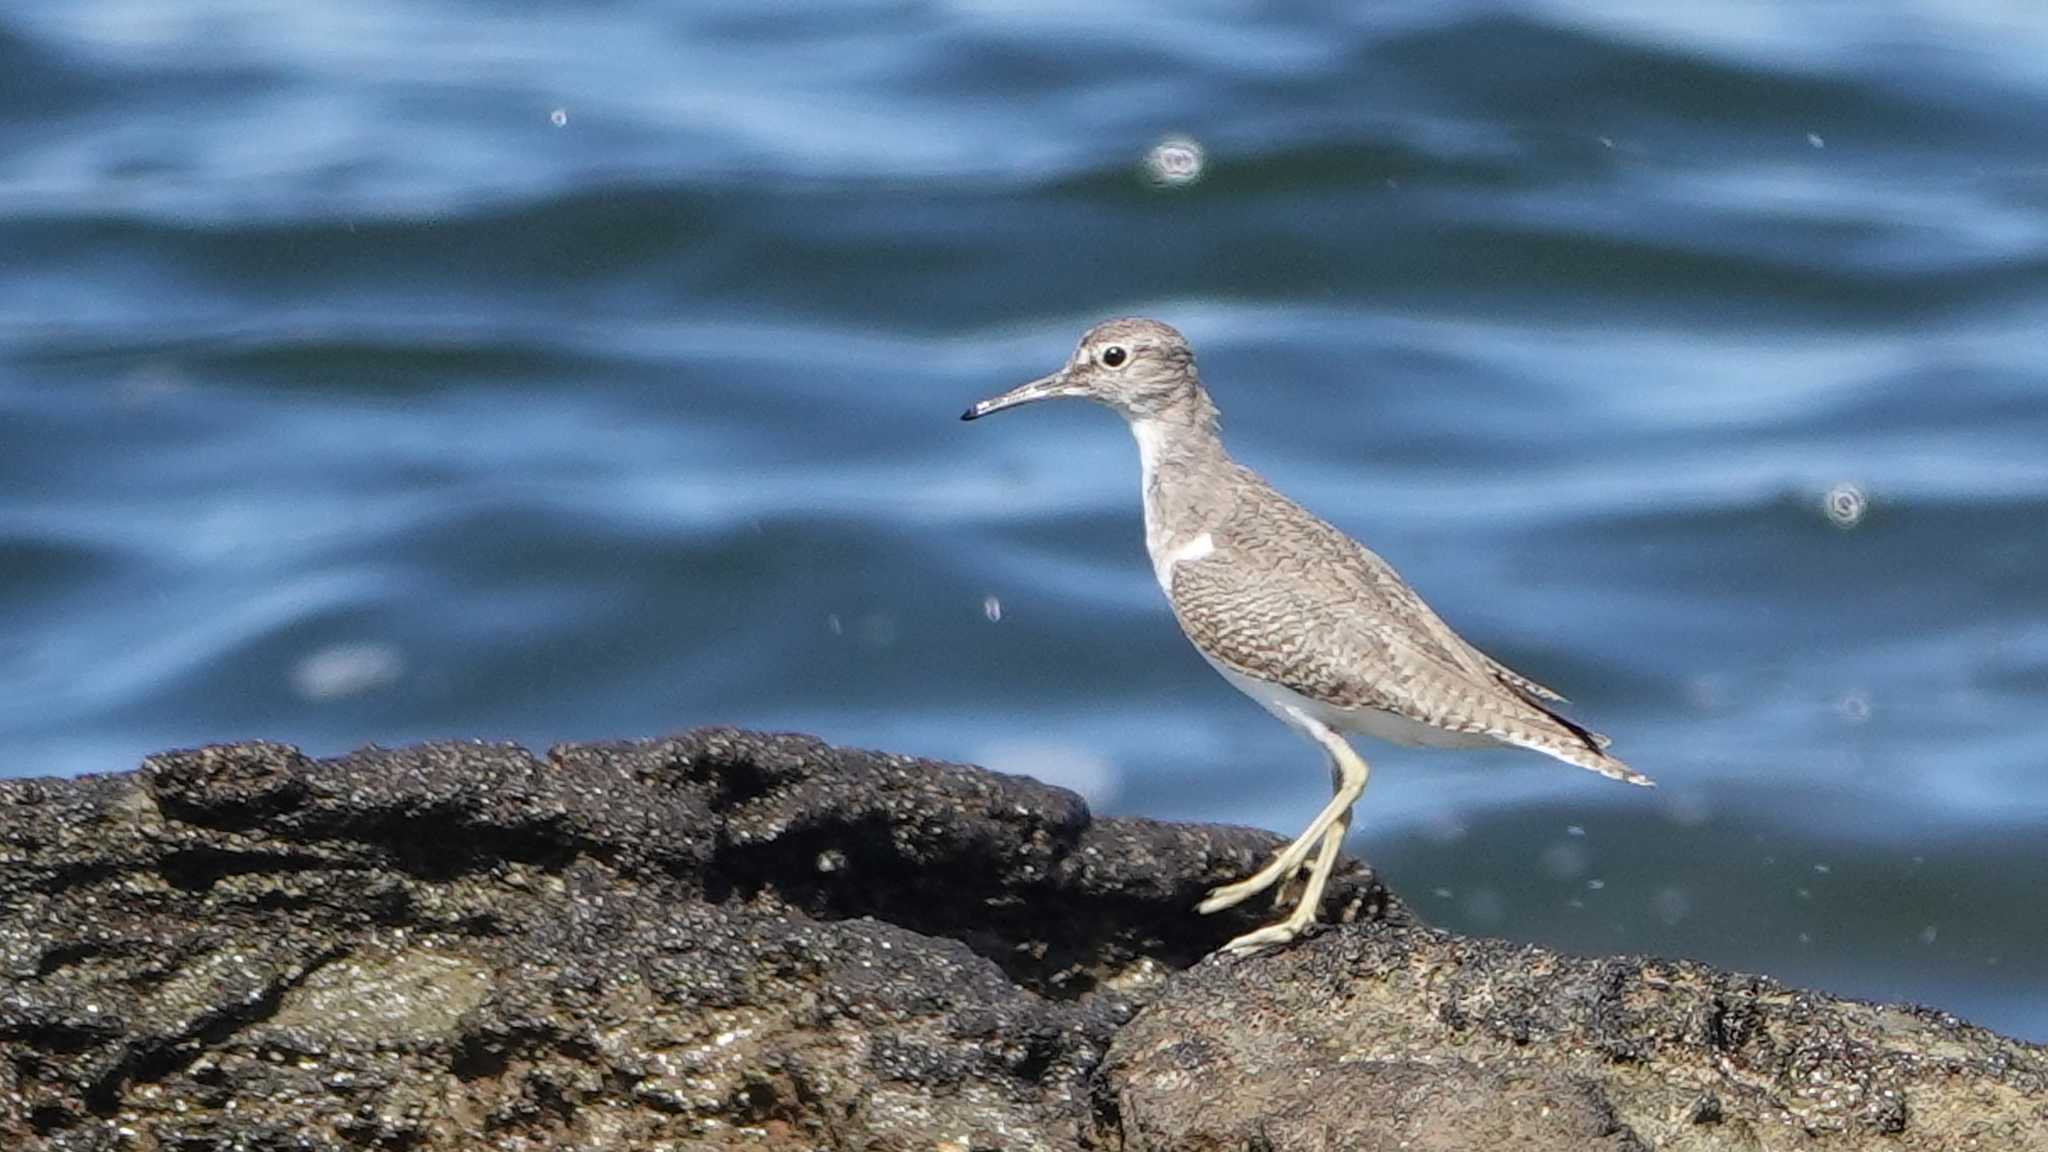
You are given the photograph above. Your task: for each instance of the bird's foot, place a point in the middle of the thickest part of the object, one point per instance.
(1272, 935)
(1287, 864)
(1231, 895)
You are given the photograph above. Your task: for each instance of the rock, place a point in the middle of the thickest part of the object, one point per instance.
(720, 940)
(1399, 1036)
(729, 939)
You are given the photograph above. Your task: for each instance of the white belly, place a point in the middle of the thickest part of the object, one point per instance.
(1287, 704)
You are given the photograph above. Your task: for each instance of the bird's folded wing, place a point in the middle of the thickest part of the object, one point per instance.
(1331, 642)
(1366, 568)
(1338, 643)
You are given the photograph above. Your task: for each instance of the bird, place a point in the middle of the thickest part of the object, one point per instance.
(1312, 625)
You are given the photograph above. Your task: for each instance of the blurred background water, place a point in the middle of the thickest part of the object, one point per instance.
(446, 369)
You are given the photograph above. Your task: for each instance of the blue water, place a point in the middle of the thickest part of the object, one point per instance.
(440, 369)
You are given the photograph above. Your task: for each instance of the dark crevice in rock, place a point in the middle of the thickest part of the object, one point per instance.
(71, 875)
(1105, 1108)
(831, 870)
(48, 1119)
(446, 841)
(156, 1058)
(62, 956)
(59, 1036)
(843, 871)
(1097, 937)
(486, 1053)
(733, 780)
(221, 814)
(199, 868)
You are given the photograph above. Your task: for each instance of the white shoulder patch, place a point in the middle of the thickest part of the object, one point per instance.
(1185, 553)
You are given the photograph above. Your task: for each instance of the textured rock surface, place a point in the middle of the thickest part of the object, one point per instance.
(1390, 1037)
(735, 940)
(724, 939)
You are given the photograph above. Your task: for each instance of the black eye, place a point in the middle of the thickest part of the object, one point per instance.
(1114, 356)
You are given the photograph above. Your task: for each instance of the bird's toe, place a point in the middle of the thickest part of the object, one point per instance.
(1227, 896)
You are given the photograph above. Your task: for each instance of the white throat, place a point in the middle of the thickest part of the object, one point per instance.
(1165, 549)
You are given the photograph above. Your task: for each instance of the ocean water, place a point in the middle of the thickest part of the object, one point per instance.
(440, 369)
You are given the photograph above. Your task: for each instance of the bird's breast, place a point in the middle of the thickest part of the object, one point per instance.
(1176, 525)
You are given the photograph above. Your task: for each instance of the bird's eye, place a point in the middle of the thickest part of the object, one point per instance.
(1114, 356)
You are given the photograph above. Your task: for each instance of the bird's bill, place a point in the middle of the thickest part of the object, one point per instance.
(1043, 388)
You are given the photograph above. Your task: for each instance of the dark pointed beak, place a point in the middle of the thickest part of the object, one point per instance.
(1042, 388)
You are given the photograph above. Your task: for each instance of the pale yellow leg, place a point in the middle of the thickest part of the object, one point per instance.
(1280, 890)
(1285, 864)
(1304, 912)
(1326, 832)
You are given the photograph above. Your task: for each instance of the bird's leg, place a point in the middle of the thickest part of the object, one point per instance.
(1349, 772)
(1284, 891)
(1284, 865)
(1290, 859)
(1304, 912)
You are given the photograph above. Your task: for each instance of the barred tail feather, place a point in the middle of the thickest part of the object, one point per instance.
(1592, 759)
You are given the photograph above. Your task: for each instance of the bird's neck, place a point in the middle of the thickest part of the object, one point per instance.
(1179, 440)
(1185, 434)
(1183, 467)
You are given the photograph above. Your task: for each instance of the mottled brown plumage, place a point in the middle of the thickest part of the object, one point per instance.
(1284, 597)
(1294, 613)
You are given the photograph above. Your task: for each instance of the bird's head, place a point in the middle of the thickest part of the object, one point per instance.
(1141, 368)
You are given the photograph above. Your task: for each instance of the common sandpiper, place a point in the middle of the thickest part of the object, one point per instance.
(1295, 614)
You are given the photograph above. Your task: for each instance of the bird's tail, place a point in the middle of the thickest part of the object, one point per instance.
(1589, 752)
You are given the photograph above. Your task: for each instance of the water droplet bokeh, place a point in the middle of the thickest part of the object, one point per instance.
(1175, 162)
(1845, 505)
(343, 670)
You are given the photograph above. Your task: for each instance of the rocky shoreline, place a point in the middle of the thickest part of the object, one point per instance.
(737, 940)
